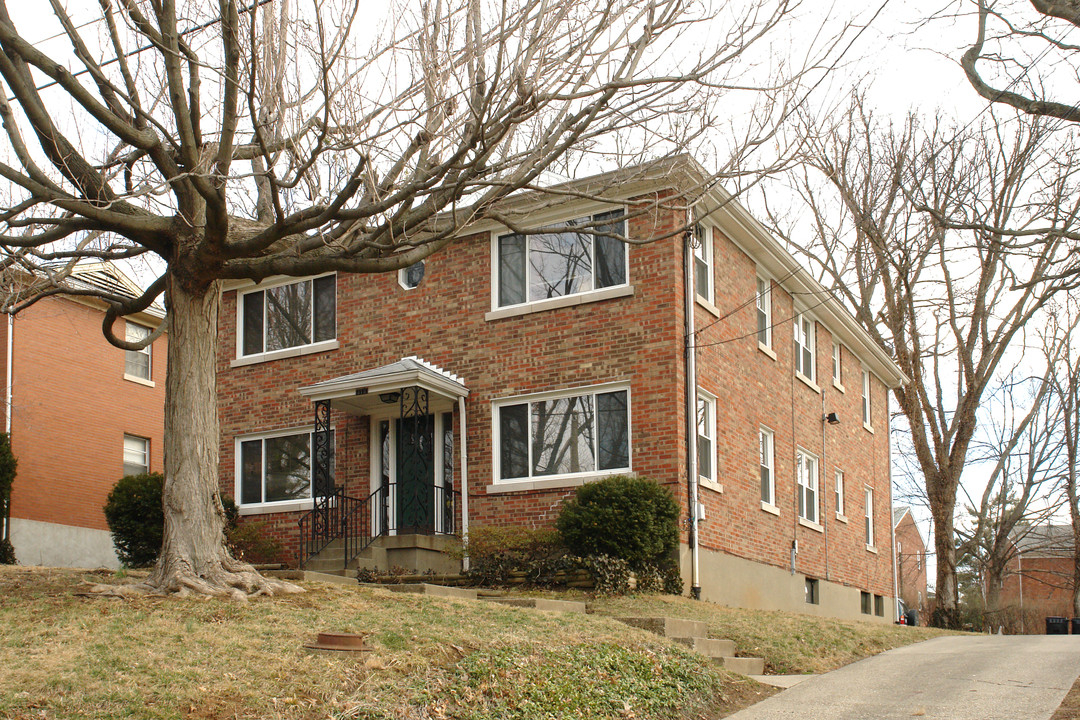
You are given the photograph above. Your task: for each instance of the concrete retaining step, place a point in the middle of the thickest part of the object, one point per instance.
(337, 579)
(570, 606)
(708, 647)
(428, 589)
(742, 665)
(669, 627)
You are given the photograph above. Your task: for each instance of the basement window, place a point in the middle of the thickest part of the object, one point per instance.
(812, 597)
(865, 598)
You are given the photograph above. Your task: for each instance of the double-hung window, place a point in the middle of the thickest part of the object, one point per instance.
(836, 368)
(275, 468)
(764, 312)
(563, 434)
(137, 362)
(703, 262)
(869, 517)
(136, 455)
(290, 315)
(562, 261)
(765, 455)
(804, 346)
(706, 437)
(866, 398)
(839, 492)
(806, 465)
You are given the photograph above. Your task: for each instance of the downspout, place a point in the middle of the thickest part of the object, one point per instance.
(691, 416)
(824, 499)
(464, 483)
(1020, 575)
(7, 398)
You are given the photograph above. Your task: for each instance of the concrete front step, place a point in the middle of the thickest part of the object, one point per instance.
(337, 579)
(742, 665)
(545, 604)
(709, 647)
(669, 627)
(428, 589)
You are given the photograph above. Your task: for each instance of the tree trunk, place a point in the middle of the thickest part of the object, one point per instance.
(194, 557)
(945, 613)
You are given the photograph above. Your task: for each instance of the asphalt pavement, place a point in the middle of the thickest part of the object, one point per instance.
(990, 677)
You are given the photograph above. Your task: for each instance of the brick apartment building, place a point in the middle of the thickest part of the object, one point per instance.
(83, 413)
(1039, 581)
(561, 357)
(910, 561)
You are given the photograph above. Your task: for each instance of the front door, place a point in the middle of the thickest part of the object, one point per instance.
(415, 474)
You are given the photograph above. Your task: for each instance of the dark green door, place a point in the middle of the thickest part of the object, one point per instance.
(416, 475)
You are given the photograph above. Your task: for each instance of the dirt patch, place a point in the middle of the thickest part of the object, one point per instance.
(1070, 706)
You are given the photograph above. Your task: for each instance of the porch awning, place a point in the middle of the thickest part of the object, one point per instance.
(359, 393)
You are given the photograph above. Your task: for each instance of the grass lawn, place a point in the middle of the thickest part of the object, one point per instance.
(66, 656)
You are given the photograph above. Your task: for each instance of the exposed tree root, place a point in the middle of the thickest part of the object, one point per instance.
(230, 579)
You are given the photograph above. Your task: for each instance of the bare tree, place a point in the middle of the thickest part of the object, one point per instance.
(1066, 383)
(243, 142)
(902, 226)
(1027, 52)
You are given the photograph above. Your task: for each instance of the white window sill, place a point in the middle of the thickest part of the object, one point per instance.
(508, 486)
(871, 548)
(277, 507)
(808, 382)
(285, 353)
(770, 508)
(838, 386)
(868, 428)
(703, 302)
(812, 525)
(710, 484)
(139, 381)
(560, 302)
(841, 517)
(766, 349)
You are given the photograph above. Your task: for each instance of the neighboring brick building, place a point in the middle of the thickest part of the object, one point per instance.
(566, 352)
(910, 561)
(83, 414)
(1039, 582)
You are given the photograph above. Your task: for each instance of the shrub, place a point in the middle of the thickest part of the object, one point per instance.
(611, 574)
(496, 552)
(248, 542)
(133, 511)
(624, 517)
(7, 553)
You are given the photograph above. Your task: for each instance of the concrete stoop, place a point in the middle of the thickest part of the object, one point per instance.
(694, 634)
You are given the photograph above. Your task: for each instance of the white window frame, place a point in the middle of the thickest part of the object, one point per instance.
(703, 252)
(275, 505)
(838, 495)
(867, 407)
(709, 401)
(403, 274)
(594, 293)
(499, 484)
(296, 350)
(806, 478)
(763, 306)
(869, 526)
(838, 366)
(805, 341)
(144, 462)
(767, 438)
(146, 351)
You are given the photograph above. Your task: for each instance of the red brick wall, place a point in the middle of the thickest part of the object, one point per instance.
(638, 339)
(911, 561)
(753, 389)
(1041, 583)
(71, 408)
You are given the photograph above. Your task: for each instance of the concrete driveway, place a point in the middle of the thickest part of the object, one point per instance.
(1016, 677)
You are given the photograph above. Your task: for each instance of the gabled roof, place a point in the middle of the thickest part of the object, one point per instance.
(358, 392)
(898, 514)
(105, 278)
(1043, 540)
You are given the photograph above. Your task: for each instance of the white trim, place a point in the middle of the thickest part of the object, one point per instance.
(464, 479)
(708, 258)
(761, 278)
(841, 518)
(148, 351)
(291, 505)
(710, 485)
(551, 482)
(767, 350)
(839, 493)
(868, 510)
(608, 293)
(401, 275)
(565, 479)
(240, 359)
(838, 366)
(708, 306)
(802, 488)
(710, 402)
(805, 338)
(808, 382)
(867, 404)
(771, 509)
(811, 525)
(145, 463)
(536, 305)
(139, 381)
(771, 435)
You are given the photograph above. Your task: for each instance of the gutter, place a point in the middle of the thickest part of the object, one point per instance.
(691, 415)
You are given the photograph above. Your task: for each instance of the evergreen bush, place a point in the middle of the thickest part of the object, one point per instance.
(624, 517)
(136, 520)
(8, 464)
